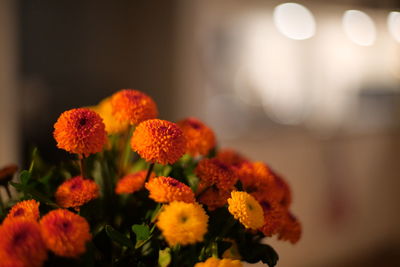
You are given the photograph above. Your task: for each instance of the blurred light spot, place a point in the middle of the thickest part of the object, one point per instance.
(359, 27)
(394, 25)
(294, 21)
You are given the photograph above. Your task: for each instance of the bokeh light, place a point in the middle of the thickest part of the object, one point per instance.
(359, 27)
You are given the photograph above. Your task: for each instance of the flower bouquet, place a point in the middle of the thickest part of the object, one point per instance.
(141, 191)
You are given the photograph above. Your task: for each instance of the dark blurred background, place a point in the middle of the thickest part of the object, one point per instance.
(311, 88)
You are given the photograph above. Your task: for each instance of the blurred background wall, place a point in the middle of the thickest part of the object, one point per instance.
(311, 90)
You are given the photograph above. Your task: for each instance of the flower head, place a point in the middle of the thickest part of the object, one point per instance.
(133, 106)
(230, 157)
(213, 197)
(291, 230)
(65, 233)
(215, 172)
(274, 217)
(200, 138)
(254, 174)
(246, 209)
(214, 262)
(113, 126)
(27, 209)
(159, 141)
(75, 192)
(80, 131)
(183, 223)
(21, 244)
(167, 189)
(132, 182)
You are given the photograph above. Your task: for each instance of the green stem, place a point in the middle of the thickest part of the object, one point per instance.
(126, 149)
(149, 171)
(82, 166)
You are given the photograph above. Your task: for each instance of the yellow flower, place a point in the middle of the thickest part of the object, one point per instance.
(214, 262)
(183, 223)
(246, 209)
(113, 126)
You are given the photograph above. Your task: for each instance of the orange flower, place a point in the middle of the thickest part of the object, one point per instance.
(27, 209)
(214, 172)
(291, 230)
(133, 106)
(21, 244)
(253, 175)
(65, 233)
(200, 138)
(131, 183)
(214, 198)
(274, 218)
(166, 189)
(80, 131)
(159, 141)
(230, 157)
(113, 126)
(75, 192)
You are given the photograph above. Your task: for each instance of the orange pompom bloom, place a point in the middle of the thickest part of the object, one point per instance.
(274, 218)
(215, 172)
(200, 138)
(21, 244)
(80, 131)
(230, 157)
(254, 174)
(27, 209)
(132, 182)
(75, 192)
(166, 189)
(214, 198)
(113, 126)
(133, 106)
(291, 230)
(65, 233)
(159, 141)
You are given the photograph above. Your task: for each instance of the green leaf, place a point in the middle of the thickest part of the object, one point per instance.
(141, 231)
(164, 257)
(193, 181)
(34, 193)
(117, 237)
(24, 177)
(259, 252)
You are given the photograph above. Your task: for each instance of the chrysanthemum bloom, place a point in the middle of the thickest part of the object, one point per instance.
(166, 189)
(214, 172)
(246, 209)
(159, 141)
(132, 182)
(27, 209)
(254, 174)
(183, 223)
(277, 191)
(214, 198)
(75, 192)
(274, 217)
(291, 231)
(21, 244)
(113, 126)
(230, 157)
(214, 262)
(80, 131)
(65, 233)
(200, 138)
(133, 106)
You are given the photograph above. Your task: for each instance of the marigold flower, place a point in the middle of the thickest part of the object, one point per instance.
(65, 233)
(254, 174)
(166, 189)
(113, 126)
(230, 157)
(133, 106)
(214, 172)
(274, 217)
(214, 262)
(183, 223)
(27, 209)
(21, 244)
(214, 198)
(200, 138)
(246, 209)
(159, 141)
(132, 182)
(80, 131)
(291, 230)
(75, 192)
